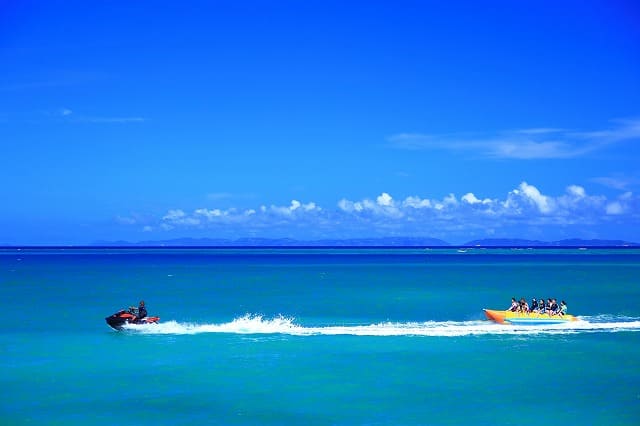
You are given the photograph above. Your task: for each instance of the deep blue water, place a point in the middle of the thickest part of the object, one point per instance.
(317, 336)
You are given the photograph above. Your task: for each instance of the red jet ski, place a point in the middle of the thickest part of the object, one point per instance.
(121, 318)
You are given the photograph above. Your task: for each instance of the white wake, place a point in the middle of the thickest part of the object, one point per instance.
(256, 324)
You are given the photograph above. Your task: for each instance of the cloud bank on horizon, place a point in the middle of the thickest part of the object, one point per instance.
(572, 213)
(523, 212)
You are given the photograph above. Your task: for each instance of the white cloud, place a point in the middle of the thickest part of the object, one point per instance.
(203, 217)
(289, 210)
(526, 204)
(179, 217)
(384, 200)
(524, 144)
(528, 149)
(345, 205)
(523, 207)
(470, 198)
(209, 214)
(539, 130)
(615, 208)
(71, 116)
(532, 193)
(576, 191)
(617, 182)
(626, 203)
(310, 206)
(519, 199)
(174, 214)
(416, 203)
(384, 205)
(450, 200)
(349, 206)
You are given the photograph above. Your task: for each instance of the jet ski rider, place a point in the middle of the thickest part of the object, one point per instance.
(140, 312)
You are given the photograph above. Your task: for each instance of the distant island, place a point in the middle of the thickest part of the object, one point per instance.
(573, 242)
(364, 242)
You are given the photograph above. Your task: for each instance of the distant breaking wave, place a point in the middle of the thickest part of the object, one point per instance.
(257, 325)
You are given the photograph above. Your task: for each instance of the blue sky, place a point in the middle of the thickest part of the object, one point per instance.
(319, 119)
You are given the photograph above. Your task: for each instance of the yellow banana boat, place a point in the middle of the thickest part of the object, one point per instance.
(523, 318)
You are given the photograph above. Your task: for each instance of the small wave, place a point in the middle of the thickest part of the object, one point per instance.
(256, 324)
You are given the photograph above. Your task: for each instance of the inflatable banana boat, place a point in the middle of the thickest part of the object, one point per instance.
(523, 318)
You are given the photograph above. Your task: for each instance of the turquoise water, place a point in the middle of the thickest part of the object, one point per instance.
(317, 336)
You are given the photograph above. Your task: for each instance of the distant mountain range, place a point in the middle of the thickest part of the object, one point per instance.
(364, 242)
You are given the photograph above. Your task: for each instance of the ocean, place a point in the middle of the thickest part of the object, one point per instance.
(317, 336)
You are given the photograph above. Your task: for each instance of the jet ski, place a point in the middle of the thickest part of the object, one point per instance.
(123, 317)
